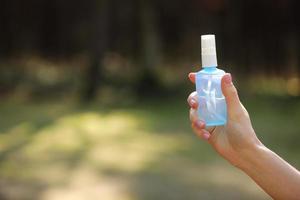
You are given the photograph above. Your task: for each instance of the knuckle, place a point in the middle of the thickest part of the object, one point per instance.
(240, 114)
(193, 96)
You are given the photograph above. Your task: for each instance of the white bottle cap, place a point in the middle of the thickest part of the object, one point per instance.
(208, 51)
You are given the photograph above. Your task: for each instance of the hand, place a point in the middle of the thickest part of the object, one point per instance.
(237, 136)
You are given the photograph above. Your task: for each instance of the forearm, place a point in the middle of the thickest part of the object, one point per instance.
(274, 175)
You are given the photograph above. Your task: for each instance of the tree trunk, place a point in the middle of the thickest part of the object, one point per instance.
(150, 49)
(99, 45)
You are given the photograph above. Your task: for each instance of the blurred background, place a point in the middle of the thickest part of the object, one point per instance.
(93, 95)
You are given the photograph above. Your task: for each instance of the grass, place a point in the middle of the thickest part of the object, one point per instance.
(62, 150)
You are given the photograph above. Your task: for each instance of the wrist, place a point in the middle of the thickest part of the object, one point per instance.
(250, 155)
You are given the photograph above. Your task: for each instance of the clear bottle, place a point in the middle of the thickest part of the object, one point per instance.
(212, 106)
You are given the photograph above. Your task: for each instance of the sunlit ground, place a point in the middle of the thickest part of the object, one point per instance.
(61, 150)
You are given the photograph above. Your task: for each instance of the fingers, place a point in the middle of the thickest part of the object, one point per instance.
(198, 127)
(231, 95)
(192, 77)
(193, 115)
(193, 100)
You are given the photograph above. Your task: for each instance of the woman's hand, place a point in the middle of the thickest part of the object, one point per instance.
(237, 143)
(237, 136)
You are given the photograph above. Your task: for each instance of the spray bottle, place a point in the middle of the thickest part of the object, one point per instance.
(212, 106)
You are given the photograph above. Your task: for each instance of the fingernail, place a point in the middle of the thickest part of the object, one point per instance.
(228, 78)
(199, 124)
(205, 136)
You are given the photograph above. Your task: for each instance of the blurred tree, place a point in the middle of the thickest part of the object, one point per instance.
(99, 41)
(253, 36)
(150, 48)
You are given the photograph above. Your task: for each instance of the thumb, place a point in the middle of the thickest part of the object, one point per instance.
(231, 95)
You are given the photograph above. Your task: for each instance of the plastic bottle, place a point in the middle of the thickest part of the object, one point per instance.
(212, 106)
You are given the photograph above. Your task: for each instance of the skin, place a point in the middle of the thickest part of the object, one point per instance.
(237, 143)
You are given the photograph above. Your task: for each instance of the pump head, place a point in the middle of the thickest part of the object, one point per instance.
(208, 51)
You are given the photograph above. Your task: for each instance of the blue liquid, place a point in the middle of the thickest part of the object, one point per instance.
(212, 106)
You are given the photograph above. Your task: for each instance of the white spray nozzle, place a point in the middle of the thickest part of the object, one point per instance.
(208, 51)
